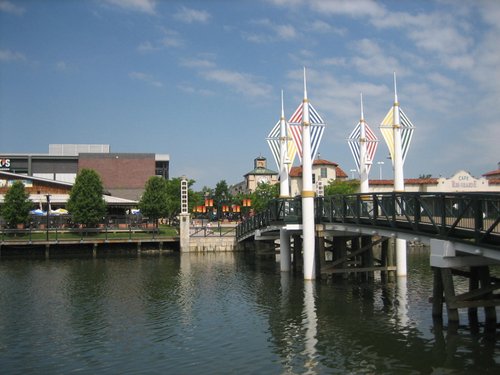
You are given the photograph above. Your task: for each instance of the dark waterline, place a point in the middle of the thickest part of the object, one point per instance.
(223, 314)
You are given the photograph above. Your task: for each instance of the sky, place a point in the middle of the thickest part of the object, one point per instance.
(201, 80)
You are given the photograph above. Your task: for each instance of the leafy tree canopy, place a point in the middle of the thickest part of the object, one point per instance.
(154, 201)
(174, 197)
(86, 203)
(221, 193)
(342, 187)
(17, 205)
(263, 194)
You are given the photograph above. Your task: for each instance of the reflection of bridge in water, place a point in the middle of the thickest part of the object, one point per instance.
(353, 233)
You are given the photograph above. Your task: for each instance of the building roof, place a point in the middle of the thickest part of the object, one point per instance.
(297, 171)
(492, 173)
(38, 179)
(61, 198)
(339, 172)
(58, 199)
(409, 181)
(261, 172)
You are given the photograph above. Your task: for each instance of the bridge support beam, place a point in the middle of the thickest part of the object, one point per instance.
(447, 263)
(285, 258)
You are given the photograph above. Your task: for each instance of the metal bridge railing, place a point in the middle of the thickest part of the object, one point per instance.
(471, 217)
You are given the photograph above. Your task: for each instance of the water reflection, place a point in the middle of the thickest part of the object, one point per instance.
(310, 324)
(223, 313)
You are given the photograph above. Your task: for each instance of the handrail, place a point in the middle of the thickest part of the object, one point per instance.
(470, 217)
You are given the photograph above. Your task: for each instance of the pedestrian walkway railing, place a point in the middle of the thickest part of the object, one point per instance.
(215, 230)
(55, 234)
(470, 217)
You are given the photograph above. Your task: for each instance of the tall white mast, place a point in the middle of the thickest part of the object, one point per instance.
(399, 184)
(308, 232)
(363, 167)
(284, 183)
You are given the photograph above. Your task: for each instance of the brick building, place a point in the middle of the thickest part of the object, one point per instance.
(123, 174)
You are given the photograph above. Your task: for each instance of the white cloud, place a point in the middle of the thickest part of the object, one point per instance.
(147, 46)
(187, 88)
(333, 61)
(358, 8)
(61, 65)
(147, 78)
(443, 35)
(171, 39)
(198, 63)
(242, 83)
(324, 27)
(189, 15)
(275, 32)
(145, 6)
(8, 55)
(371, 60)
(490, 11)
(9, 7)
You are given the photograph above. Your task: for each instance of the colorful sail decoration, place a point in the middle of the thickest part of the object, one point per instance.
(273, 140)
(355, 146)
(407, 128)
(317, 129)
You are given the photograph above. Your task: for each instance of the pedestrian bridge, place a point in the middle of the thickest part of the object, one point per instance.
(470, 221)
(462, 229)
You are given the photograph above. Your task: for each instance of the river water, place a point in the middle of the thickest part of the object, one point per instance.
(223, 313)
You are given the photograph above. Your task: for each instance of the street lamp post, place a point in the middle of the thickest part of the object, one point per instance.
(380, 164)
(48, 214)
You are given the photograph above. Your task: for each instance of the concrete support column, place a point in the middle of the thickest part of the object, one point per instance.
(285, 258)
(184, 232)
(401, 257)
(184, 216)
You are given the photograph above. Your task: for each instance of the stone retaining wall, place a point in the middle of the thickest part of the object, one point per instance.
(213, 244)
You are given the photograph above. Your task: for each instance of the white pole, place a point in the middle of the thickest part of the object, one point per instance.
(307, 193)
(399, 184)
(285, 258)
(363, 168)
(284, 184)
(380, 164)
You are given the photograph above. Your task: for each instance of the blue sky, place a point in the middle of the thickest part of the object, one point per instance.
(201, 80)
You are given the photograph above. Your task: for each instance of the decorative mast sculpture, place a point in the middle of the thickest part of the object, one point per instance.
(275, 140)
(397, 130)
(363, 144)
(284, 161)
(317, 128)
(283, 151)
(307, 192)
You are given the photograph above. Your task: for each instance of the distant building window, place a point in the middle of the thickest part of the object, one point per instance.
(324, 172)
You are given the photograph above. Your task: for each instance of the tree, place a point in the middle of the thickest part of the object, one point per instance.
(263, 194)
(153, 202)
(221, 193)
(342, 187)
(86, 203)
(173, 197)
(425, 176)
(17, 205)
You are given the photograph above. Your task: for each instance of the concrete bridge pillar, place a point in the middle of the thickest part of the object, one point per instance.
(184, 216)
(285, 258)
